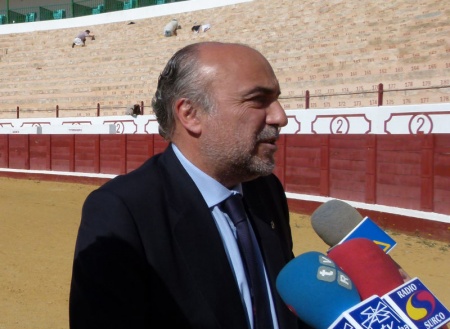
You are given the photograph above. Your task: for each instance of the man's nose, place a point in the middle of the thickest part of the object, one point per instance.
(276, 115)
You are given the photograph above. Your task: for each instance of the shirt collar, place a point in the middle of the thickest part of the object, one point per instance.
(212, 191)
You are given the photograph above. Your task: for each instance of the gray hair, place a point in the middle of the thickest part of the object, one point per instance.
(181, 78)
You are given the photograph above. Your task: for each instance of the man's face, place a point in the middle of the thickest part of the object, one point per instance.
(238, 136)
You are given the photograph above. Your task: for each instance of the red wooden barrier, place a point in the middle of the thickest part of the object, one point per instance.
(405, 171)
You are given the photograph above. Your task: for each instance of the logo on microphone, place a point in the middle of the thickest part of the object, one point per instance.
(373, 313)
(368, 229)
(420, 305)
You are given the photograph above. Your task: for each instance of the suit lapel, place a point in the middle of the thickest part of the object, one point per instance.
(200, 247)
(265, 227)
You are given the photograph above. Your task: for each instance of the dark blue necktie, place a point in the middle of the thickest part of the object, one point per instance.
(254, 267)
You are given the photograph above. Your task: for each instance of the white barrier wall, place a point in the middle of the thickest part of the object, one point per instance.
(142, 124)
(408, 119)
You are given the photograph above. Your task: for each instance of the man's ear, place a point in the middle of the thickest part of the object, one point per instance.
(188, 115)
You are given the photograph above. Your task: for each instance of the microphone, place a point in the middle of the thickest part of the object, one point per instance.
(333, 220)
(315, 289)
(372, 271)
(318, 292)
(376, 272)
(336, 221)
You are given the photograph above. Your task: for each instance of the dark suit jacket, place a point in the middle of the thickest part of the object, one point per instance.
(149, 255)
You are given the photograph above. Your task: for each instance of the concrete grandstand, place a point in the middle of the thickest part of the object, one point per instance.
(339, 51)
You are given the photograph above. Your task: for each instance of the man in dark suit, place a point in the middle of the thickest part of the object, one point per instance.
(154, 248)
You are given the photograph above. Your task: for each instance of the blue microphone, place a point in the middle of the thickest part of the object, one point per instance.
(315, 289)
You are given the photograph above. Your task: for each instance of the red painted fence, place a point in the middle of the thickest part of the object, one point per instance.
(405, 171)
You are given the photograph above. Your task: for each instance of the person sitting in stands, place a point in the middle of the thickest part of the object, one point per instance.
(133, 110)
(205, 27)
(195, 28)
(202, 28)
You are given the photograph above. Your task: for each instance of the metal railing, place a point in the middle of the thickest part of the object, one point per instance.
(42, 12)
(58, 112)
(380, 93)
(103, 110)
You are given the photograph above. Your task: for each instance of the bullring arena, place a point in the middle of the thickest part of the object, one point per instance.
(365, 85)
(39, 222)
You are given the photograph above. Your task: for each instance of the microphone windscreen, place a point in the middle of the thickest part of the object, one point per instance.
(333, 220)
(315, 289)
(371, 270)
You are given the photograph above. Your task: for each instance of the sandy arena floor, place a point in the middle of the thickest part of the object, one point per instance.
(38, 225)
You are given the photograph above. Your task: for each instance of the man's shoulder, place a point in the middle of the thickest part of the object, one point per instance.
(270, 181)
(266, 197)
(149, 170)
(266, 190)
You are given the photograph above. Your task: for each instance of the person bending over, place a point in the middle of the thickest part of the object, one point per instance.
(80, 39)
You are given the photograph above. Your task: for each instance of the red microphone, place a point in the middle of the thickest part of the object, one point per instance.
(371, 270)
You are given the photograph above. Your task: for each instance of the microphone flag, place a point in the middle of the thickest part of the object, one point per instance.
(369, 230)
(372, 313)
(414, 301)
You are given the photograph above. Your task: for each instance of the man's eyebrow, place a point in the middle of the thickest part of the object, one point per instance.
(262, 90)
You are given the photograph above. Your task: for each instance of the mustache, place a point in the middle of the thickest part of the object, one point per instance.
(268, 134)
